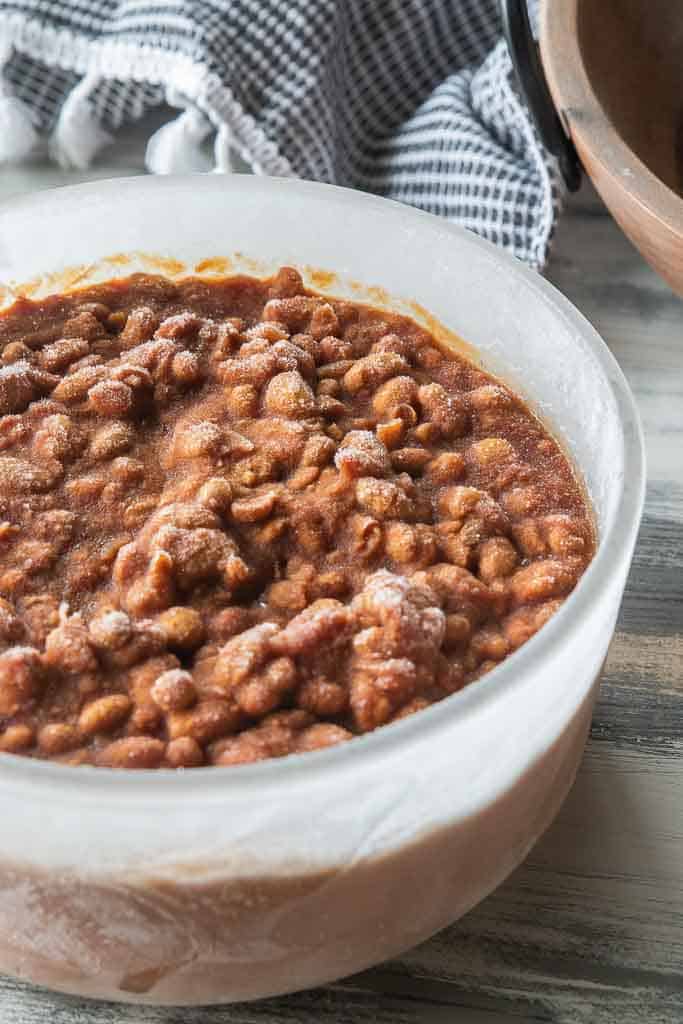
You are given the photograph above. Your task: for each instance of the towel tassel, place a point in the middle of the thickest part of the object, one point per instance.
(78, 135)
(223, 149)
(18, 135)
(176, 147)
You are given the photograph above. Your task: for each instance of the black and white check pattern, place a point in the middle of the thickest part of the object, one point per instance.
(411, 99)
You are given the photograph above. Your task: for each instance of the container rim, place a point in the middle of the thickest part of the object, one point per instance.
(33, 776)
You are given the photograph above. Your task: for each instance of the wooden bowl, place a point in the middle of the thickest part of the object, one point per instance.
(614, 72)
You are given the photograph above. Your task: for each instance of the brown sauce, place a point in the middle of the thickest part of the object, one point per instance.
(240, 520)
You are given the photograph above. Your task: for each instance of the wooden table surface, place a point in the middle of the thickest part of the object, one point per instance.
(590, 928)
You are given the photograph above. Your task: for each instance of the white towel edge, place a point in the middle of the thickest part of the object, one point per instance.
(127, 61)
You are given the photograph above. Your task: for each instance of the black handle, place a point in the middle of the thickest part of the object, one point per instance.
(531, 78)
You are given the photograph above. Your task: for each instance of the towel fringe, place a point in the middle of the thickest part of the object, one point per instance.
(176, 147)
(223, 149)
(18, 135)
(78, 135)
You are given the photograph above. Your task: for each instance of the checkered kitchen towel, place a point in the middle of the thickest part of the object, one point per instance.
(411, 99)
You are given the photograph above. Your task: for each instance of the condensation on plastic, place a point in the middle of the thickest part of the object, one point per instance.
(222, 884)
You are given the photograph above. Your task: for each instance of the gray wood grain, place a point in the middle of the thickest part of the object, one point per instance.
(590, 928)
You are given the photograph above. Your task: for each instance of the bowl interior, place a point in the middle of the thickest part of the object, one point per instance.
(633, 54)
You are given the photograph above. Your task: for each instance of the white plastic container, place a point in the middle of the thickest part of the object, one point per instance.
(221, 884)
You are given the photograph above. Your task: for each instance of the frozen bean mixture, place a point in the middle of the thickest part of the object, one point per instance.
(240, 520)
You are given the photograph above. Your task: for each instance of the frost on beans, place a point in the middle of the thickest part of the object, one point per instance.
(69, 649)
(295, 312)
(289, 395)
(174, 690)
(408, 544)
(225, 538)
(401, 632)
(406, 612)
(458, 590)
(497, 558)
(112, 398)
(182, 325)
(196, 555)
(255, 508)
(544, 579)
(521, 624)
(266, 690)
(180, 547)
(324, 623)
(83, 324)
(446, 411)
(75, 386)
(241, 656)
(19, 476)
(21, 383)
(397, 391)
(182, 628)
(121, 643)
(362, 454)
(22, 678)
(56, 357)
(139, 326)
(257, 365)
(256, 668)
(382, 499)
(469, 516)
(197, 439)
(12, 628)
(111, 440)
(373, 370)
(57, 439)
